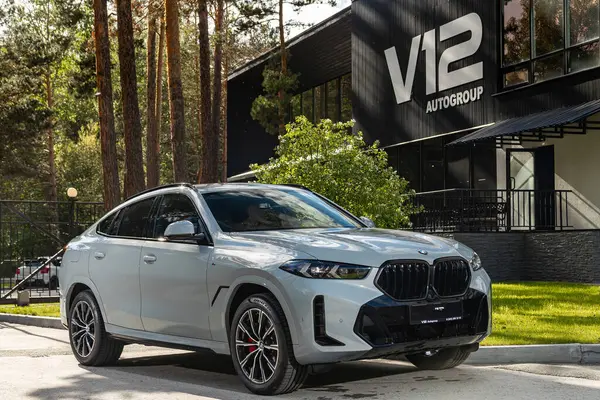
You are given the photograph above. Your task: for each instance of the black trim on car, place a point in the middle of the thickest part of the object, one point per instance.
(212, 303)
(430, 291)
(152, 216)
(384, 322)
(158, 343)
(319, 324)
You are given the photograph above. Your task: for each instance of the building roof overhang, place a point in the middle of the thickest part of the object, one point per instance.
(313, 30)
(537, 127)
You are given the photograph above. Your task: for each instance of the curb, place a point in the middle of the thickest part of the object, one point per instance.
(42, 322)
(537, 354)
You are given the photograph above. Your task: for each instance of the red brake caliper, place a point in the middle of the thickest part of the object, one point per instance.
(251, 348)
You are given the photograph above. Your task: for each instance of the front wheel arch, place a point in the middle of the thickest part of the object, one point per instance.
(255, 286)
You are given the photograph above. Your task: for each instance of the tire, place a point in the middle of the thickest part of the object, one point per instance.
(90, 343)
(443, 359)
(287, 375)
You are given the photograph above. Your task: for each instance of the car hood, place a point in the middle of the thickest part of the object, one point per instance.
(370, 247)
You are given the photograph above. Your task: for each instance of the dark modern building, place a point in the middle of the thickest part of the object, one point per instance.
(491, 110)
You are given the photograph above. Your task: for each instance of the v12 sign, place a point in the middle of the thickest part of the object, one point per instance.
(438, 76)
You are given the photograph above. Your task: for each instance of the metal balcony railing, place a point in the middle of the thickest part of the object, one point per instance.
(473, 210)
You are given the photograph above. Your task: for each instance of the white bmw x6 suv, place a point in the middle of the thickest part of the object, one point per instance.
(278, 277)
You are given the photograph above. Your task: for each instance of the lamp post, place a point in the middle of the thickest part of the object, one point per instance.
(72, 195)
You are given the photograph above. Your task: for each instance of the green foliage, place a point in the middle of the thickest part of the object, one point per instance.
(23, 117)
(79, 164)
(341, 166)
(278, 89)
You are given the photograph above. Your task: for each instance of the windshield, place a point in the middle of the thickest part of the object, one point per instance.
(273, 209)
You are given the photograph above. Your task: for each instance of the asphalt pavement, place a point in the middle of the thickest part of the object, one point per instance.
(36, 363)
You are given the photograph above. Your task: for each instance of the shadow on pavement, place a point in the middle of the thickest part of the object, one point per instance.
(25, 331)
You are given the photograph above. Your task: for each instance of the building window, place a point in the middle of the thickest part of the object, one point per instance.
(545, 39)
(333, 104)
(308, 102)
(346, 93)
(296, 106)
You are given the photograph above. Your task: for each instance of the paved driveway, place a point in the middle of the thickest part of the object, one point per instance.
(35, 363)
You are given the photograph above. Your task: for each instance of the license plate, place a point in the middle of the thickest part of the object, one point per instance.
(432, 313)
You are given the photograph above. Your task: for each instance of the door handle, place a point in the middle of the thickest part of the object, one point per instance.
(149, 258)
(99, 256)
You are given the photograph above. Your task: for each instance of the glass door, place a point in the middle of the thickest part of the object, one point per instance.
(521, 189)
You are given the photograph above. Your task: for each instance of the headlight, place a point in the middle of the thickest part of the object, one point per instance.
(325, 270)
(475, 262)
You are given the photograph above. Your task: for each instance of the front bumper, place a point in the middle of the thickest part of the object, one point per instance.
(365, 323)
(385, 324)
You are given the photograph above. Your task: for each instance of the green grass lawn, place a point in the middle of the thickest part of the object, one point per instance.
(545, 313)
(40, 310)
(524, 313)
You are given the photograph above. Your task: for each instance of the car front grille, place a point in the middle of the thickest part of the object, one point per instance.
(410, 280)
(451, 277)
(404, 280)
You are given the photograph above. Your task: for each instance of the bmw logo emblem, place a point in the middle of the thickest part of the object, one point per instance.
(423, 252)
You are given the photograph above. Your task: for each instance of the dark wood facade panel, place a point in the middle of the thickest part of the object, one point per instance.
(380, 24)
(321, 57)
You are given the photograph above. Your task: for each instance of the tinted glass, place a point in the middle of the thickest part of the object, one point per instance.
(584, 57)
(273, 209)
(307, 105)
(433, 165)
(549, 19)
(320, 101)
(175, 208)
(409, 160)
(109, 225)
(584, 20)
(135, 219)
(346, 87)
(516, 77)
(333, 108)
(458, 171)
(548, 67)
(296, 106)
(516, 31)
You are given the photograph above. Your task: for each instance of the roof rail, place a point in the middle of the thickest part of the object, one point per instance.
(170, 185)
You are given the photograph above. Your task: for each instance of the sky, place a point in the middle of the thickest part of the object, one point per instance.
(313, 14)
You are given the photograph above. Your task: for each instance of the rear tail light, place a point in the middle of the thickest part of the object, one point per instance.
(45, 270)
(18, 271)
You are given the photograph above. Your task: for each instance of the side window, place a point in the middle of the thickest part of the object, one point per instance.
(174, 208)
(109, 225)
(135, 218)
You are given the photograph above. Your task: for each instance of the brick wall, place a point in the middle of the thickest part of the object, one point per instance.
(552, 256)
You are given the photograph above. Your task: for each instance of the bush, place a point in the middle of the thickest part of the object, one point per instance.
(329, 160)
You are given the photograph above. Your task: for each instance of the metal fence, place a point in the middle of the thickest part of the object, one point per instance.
(469, 210)
(31, 232)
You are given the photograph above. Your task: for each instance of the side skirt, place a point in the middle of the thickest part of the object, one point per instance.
(167, 341)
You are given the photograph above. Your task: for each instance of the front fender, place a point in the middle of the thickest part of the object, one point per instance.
(221, 309)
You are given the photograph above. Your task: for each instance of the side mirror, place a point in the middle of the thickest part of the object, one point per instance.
(183, 231)
(368, 222)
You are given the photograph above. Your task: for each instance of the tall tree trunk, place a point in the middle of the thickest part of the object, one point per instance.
(134, 163)
(152, 163)
(282, 40)
(52, 190)
(159, 91)
(176, 104)
(284, 68)
(225, 97)
(207, 173)
(108, 137)
(217, 86)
